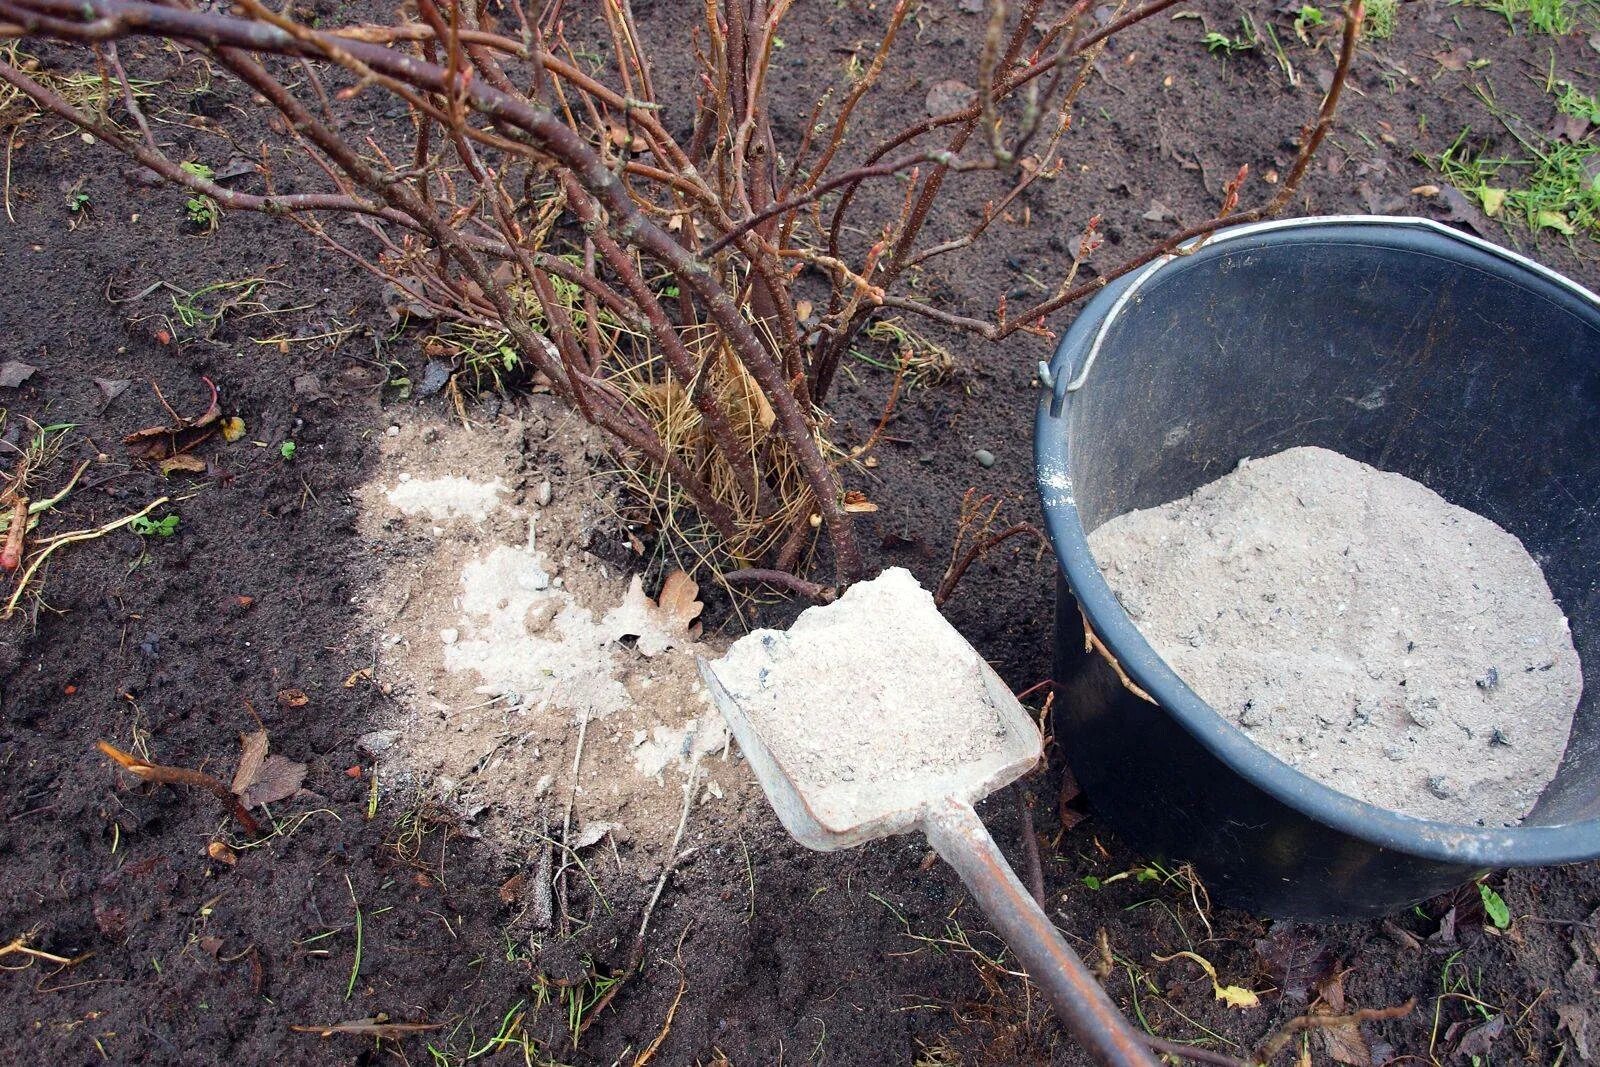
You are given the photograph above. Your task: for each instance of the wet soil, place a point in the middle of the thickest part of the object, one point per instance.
(759, 952)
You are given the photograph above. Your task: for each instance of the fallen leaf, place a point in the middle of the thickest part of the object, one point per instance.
(511, 888)
(252, 751)
(622, 137)
(110, 389)
(1344, 1044)
(280, 779)
(1425, 190)
(1456, 59)
(592, 833)
(183, 461)
(232, 429)
(373, 1027)
(1330, 993)
(1401, 936)
(263, 779)
(1554, 220)
(13, 373)
(435, 376)
(658, 624)
(856, 503)
(1234, 996)
(1446, 934)
(1574, 1019)
(362, 675)
(1476, 1042)
(1570, 128)
(1294, 960)
(756, 408)
(293, 698)
(1493, 200)
(308, 387)
(1463, 210)
(219, 851)
(236, 167)
(402, 302)
(210, 945)
(162, 442)
(803, 309)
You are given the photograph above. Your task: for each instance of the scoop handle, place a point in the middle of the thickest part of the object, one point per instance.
(959, 836)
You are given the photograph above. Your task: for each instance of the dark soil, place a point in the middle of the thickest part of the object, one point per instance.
(766, 952)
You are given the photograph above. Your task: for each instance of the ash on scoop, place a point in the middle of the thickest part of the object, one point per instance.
(872, 705)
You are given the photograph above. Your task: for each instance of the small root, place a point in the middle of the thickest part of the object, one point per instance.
(152, 772)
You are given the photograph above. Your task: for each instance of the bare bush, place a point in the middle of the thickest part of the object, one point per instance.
(545, 213)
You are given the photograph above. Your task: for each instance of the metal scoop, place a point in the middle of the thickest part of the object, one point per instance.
(892, 793)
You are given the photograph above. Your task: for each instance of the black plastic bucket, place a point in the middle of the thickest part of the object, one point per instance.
(1397, 342)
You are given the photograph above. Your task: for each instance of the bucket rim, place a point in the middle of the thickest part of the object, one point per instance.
(1473, 846)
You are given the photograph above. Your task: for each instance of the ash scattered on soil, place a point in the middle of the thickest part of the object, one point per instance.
(500, 636)
(1360, 627)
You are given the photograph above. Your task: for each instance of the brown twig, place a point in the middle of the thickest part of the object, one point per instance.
(953, 575)
(1195, 1053)
(1273, 1045)
(19, 946)
(812, 591)
(1030, 845)
(668, 865)
(153, 772)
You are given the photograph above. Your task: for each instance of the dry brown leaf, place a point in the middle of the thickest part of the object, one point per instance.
(280, 779)
(252, 751)
(749, 405)
(14, 372)
(667, 622)
(680, 601)
(1344, 1044)
(263, 779)
(219, 851)
(621, 137)
(592, 833)
(511, 888)
(293, 698)
(168, 442)
(856, 503)
(364, 674)
(183, 461)
(1575, 1019)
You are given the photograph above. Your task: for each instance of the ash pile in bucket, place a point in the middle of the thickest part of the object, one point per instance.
(871, 705)
(1361, 628)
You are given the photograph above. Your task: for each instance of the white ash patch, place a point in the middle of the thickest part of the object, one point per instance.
(502, 639)
(450, 497)
(664, 746)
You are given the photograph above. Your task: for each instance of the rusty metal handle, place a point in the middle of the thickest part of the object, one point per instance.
(958, 835)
